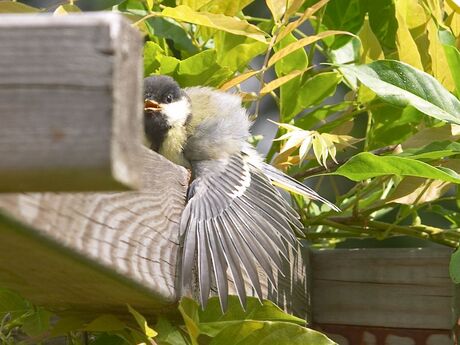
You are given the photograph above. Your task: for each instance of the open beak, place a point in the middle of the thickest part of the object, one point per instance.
(151, 105)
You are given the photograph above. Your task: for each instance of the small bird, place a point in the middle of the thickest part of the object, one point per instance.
(234, 217)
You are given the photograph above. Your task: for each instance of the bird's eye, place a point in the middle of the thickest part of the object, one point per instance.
(169, 98)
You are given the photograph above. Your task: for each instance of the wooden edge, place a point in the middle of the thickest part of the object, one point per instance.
(396, 287)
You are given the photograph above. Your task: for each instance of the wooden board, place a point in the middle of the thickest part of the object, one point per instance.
(96, 251)
(401, 288)
(70, 102)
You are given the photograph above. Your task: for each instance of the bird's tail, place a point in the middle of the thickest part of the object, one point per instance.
(290, 184)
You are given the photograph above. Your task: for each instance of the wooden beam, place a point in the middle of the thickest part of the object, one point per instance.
(400, 288)
(96, 251)
(70, 102)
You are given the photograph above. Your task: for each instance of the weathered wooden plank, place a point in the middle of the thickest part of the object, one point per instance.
(401, 288)
(70, 102)
(96, 251)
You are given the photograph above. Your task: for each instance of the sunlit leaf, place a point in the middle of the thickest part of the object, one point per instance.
(430, 135)
(439, 64)
(401, 84)
(235, 52)
(232, 25)
(370, 46)
(434, 150)
(452, 55)
(189, 310)
(153, 55)
(229, 8)
(63, 10)
(407, 49)
(365, 165)
(277, 8)
(302, 43)
(417, 190)
(305, 16)
(238, 80)
(265, 333)
(274, 84)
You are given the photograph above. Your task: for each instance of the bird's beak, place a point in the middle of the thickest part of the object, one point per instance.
(151, 105)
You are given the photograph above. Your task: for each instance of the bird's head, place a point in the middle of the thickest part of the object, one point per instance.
(166, 108)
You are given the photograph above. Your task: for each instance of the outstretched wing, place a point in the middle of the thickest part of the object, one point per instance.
(234, 219)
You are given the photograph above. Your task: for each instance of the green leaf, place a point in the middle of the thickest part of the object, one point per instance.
(232, 25)
(13, 304)
(212, 321)
(169, 334)
(37, 322)
(296, 60)
(435, 150)
(454, 266)
(229, 8)
(365, 165)
(171, 30)
(392, 125)
(200, 69)
(314, 90)
(153, 55)
(383, 23)
(142, 322)
(311, 119)
(269, 333)
(235, 52)
(400, 84)
(105, 323)
(132, 6)
(452, 55)
(67, 324)
(344, 15)
(16, 7)
(189, 310)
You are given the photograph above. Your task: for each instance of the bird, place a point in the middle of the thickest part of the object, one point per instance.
(235, 219)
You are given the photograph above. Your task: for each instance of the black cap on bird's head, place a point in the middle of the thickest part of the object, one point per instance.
(165, 106)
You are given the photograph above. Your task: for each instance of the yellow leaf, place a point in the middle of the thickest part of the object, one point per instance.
(407, 49)
(439, 67)
(302, 43)
(277, 8)
(317, 149)
(66, 9)
(232, 25)
(293, 6)
(305, 16)
(274, 84)
(455, 5)
(453, 21)
(149, 4)
(285, 126)
(370, 46)
(417, 190)
(238, 80)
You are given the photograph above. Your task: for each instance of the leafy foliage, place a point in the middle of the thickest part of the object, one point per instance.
(382, 110)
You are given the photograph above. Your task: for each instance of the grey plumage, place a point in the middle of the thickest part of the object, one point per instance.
(235, 219)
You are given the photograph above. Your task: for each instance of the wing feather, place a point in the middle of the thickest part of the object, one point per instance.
(235, 221)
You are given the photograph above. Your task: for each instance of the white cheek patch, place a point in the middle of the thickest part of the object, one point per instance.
(177, 112)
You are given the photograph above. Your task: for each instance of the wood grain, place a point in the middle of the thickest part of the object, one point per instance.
(401, 288)
(70, 102)
(96, 251)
